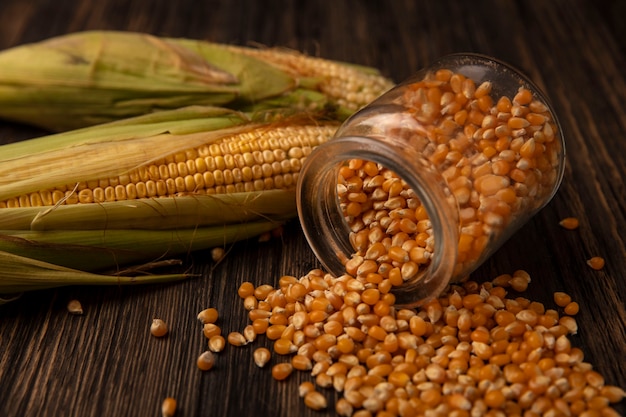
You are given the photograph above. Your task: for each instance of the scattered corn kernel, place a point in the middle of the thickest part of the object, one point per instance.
(249, 333)
(284, 346)
(305, 387)
(571, 309)
(205, 361)
(211, 329)
(315, 400)
(208, 315)
(562, 299)
(344, 408)
(245, 289)
(519, 284)
(569, 223)
(237, 339)
(596, 262)
(569, 323)
(217, 343)
(613, 393)
(281, 371)
(261, 356)
(168, 407)
(217, 254)
(301, 363)
(158, 328)
(75, 307)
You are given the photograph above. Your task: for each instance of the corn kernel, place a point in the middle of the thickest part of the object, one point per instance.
(168, 407)
(158, 328)
(596, 262)
(569, 223)
(205, 361)
(282, 371)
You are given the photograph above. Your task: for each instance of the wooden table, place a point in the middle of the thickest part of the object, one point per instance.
(105, 363)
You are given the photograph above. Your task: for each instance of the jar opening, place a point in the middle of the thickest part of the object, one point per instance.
(355, 213)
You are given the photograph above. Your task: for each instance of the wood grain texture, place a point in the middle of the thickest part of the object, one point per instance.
(105, 363)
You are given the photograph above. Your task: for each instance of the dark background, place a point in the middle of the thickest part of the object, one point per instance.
(104, 363)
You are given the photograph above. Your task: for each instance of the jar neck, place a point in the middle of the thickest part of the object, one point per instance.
(327, 231)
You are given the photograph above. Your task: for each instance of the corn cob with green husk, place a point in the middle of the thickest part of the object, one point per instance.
(88, 78)
(144, 189)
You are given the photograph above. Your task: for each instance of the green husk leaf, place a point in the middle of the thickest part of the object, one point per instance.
(116, 60)
(19, 274)
(153, 214)
(255, 85)
(96, 250)
(184, 120)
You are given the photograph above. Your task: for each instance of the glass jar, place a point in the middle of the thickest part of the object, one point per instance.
(431, 178)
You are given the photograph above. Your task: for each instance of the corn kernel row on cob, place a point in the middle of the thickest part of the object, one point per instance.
(88, 78)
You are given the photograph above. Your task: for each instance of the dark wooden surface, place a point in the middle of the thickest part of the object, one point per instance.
(105, 363)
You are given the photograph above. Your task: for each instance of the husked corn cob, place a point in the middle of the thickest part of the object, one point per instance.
(88, 78)
(350, 86)
(155, 148)
(265, 158)
(150, 187)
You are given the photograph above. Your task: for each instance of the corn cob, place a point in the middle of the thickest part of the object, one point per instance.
(149, 187)
(94, 77)
(349, 86)
(208, 151)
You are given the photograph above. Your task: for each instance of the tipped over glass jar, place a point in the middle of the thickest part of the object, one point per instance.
(420, 187)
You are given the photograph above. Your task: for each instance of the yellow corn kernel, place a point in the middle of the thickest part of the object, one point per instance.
(562, 299)
(75, 307)
(205, 361)
(217, 343)
(211, 329)
(208, 315)
(261, 356)
(237, 339)
(571, 309)
(158, 328)
(284, 346)
(315, 400)
(281, 371)
(596, 262)
(168, 407)
(569, 223)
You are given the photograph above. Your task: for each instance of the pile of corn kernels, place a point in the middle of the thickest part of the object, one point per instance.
(471, 352)
(475, 350)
